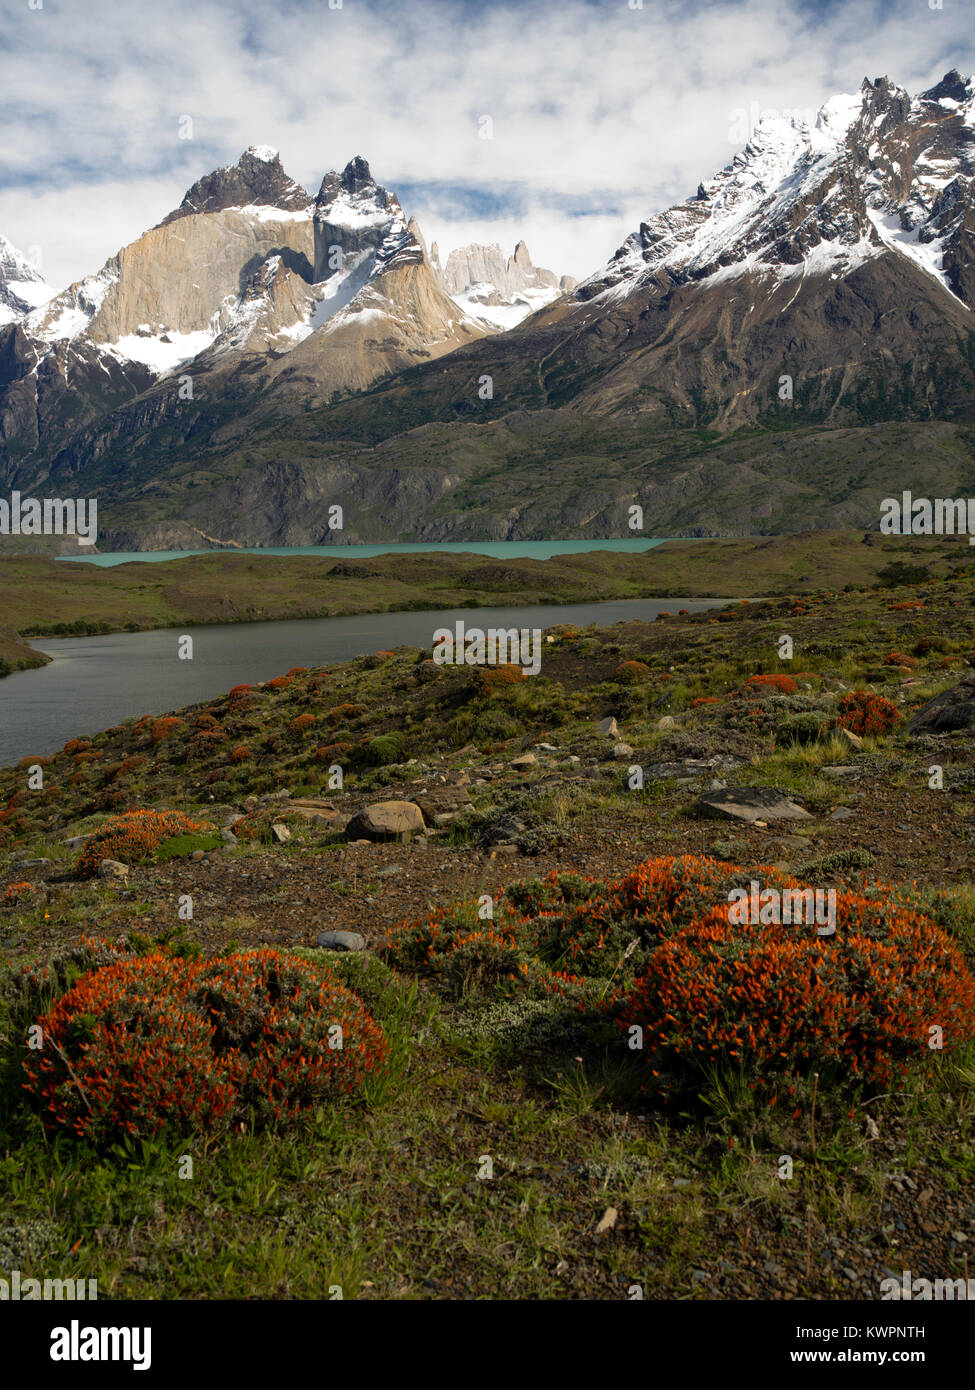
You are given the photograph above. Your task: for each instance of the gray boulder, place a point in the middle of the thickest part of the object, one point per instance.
(952, 709)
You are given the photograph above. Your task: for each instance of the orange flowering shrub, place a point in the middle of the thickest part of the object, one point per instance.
(280, 682)
(658, 948)
(782, 997)
(784, 685)
(157, 1041)
(631, 672)
(705, 700)
(240, 754)
(903, 607)
(899, 659)
(492, 680)
(127, 765)
(301, 723)
(14, 891)
(866, 714)
(132, 836)
(298, 671)
(332, 752)
(162, 728)
(237, 691)
(75, 745)
(340, 713)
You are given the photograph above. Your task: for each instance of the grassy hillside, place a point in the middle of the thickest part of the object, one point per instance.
(505, 1037)
(40, 596)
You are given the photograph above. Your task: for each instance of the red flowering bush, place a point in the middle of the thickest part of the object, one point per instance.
(240, 754)
(705, 700)
(783, 685)
(782, 996)
(280, 682)
(14, 891)
(333, 752)
(157, 1041)
(658, 948)
(492, 680)
(130, 764)
(132, 836)
(301, 723)
(163, 728)
(631, 672)
(866, 714)
(899, 659)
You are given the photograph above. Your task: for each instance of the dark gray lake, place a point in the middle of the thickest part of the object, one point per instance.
(94, 682)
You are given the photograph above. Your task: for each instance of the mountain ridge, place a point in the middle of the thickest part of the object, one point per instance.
(813, 292)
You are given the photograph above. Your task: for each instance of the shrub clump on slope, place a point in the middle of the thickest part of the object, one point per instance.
(657, 949)
(155, 1041)
(133, 835)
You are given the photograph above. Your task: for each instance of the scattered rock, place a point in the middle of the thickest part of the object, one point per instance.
(112, 868)
(608, 727)
(76, 841)
(622, 751)
(32, 863)
(754, 804)
(841, 813)
(524, 760)
(667, 722)
(280, 832)
(840, 771)
(854, 740)
(384, 819)
(341, 941)
(607, 1221)
(952, 709)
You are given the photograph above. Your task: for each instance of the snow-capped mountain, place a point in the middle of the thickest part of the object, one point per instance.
(249, 266)
(21, 287)
(877, 172)
(501, 291)
(810, 304)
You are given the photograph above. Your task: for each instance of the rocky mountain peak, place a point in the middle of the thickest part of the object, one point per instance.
(256, 180)
(22, 288)
(952, 87)
(871, 176)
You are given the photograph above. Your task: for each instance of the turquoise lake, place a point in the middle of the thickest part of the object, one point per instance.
(499, 550)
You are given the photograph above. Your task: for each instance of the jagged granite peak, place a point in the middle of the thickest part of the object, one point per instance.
(501, 291)
(256, 180)
(22, 287)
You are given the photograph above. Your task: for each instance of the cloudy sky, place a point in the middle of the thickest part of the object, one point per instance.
(601, 111)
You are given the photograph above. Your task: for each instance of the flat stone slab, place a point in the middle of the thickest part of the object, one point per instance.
(751, 804)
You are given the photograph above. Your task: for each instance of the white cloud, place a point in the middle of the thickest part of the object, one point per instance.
(617, 111)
